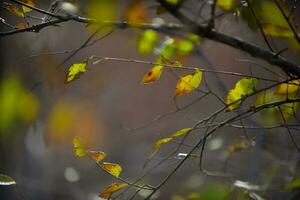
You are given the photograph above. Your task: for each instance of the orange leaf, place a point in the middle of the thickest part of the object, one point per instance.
(97, 156)
(153, 75)
(112, 168)
(107, 192)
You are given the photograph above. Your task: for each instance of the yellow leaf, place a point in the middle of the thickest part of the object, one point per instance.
(97, 156)
(78, 146)
(227, 5)
(288, 88)
(181, 132)
(156, 147)
(30, 3)
(76, 70)
(153, 75)
(107, 192)
(112, 168)
(243, 87)
(147, 41)
(188, 83)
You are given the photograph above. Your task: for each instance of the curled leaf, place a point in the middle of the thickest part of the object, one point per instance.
(153, 75)
(107, 192)
(6, 180)
(79, 149)
(181, 132)
(155, 148)
(243, 87)
(112, 168)
(188, 83)
(97, 156)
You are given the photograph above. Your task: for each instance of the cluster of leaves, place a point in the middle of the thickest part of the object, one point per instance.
(111, 168)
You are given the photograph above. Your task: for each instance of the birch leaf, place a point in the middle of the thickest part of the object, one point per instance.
(188, 83)
(6, 180)
(181, 132)
(156, 147)
(107, 192)
(77, 69)
(243, 87)
(153, 75)
(97, 156)
(112, 168)
(79, 149)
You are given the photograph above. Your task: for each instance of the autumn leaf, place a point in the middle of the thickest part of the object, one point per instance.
(97, 156)
(112, 168)
(107, 192)
(155, 148)
(181, 132)
(288, 88)
(13, 9)
(30, 3)
(6, 180)
(188, 83)
(153, 75)
(76, 70)
(243, 87)
(78, 146)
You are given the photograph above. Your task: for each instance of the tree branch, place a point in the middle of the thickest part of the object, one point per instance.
(235, 42)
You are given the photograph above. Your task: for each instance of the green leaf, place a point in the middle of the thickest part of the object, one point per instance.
(243, 87)
(147, 41)
(6, 180)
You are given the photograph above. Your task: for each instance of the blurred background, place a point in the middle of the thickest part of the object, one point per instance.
(41, 114)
